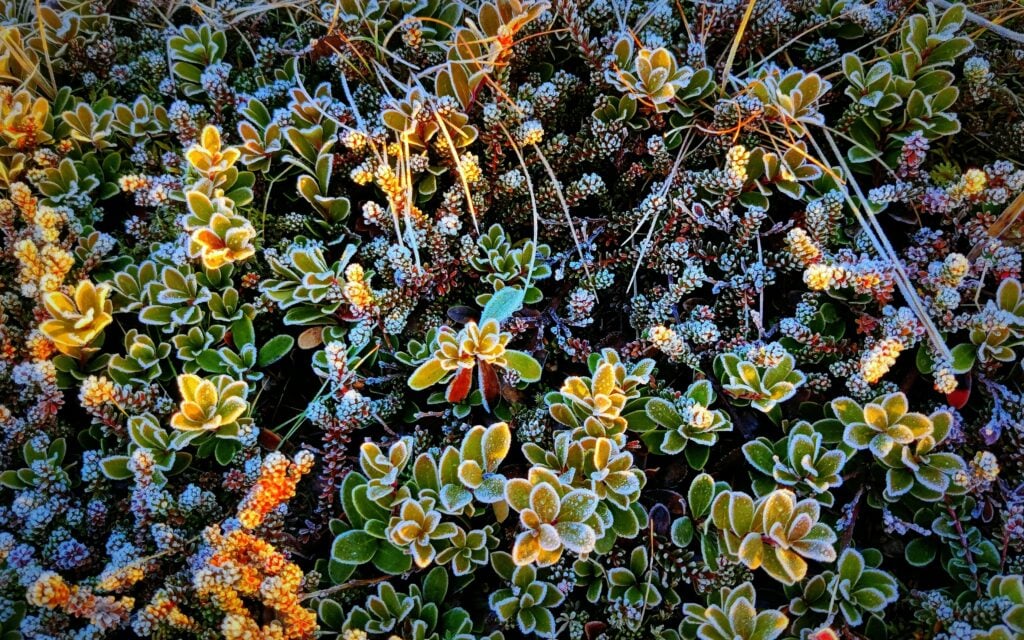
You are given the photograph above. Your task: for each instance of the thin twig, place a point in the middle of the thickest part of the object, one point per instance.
(344, 586)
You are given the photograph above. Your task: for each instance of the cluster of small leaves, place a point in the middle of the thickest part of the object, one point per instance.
(670, 320)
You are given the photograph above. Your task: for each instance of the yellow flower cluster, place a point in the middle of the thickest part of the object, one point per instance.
(395, 189)
(357, 290)
(42, 262)
(130, 183)
(355, 140)
(362, 174)
(43, 268)
(821, 277)
(668, 341)
(469, 167)
(972, 183)
(275, 486)
(121, 578)
(37, 346)
(96, 391)
(876, 361)
(49, 591)
(736, 164)
(108, 402)
(388, 181)
(163, 610)
(243, 566)
(802, 247)
(104, 612)
(980, 473)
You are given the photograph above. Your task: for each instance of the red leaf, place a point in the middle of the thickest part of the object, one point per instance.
(958, 397)
(489, 384)
(594, 629)
(460, 385)
(269, 440)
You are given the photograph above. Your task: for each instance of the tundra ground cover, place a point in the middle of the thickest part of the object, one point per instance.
(427, 320)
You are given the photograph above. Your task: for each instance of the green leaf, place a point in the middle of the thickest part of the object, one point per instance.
(760, 455)
(924, 361)
(697, 455)
(32, 454)
(544, 622)
(225, 451)
(455, 498)
(701, 392)
(376, 528)
(682, 532)
(503, 304)
(349, 498)
(625, 522)
(847, 410)
(769, 624)
(664, 413)
(964, 356)
(503, 565)
(354, 547)
(851, 565)
(392, 560)
(523, 363)
(275, 349)
(331, 614)
(11, 480)
(919, 552)
(242, 332)
(950, 50)
(699, 497)
(116, 467)
(304, 316)
(211, 360)
(576, 506)
(57, 449)
(620, 577)
(578, 538)
(435, 585)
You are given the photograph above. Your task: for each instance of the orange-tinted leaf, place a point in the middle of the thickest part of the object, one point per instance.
(489, 384)
(460, 385)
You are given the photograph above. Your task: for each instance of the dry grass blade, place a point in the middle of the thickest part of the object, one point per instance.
(405, 175)
(533, 198)
(876, 235)
(52, 87)
(565, 208)
(654, 218)
(1009, 223)
(556, 185)
(734, 48)
(462, 178)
